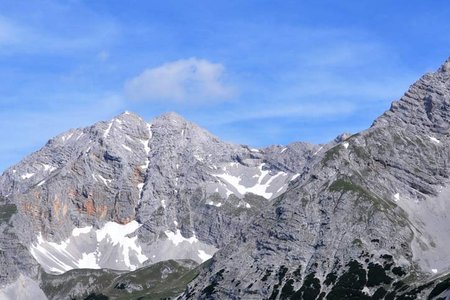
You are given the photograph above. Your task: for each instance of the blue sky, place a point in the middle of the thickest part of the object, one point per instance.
(252, 72)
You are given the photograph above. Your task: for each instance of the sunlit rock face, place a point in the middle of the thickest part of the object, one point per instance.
(126, 193)
(367, 219)
(364, 216)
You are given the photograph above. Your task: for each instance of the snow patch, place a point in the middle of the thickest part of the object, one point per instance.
(433, 139)
(105, 181)
(146, 147)
(117, 234)
(40, 250)
(259, 188)
(108, 129)
(176, 237)
(294, 177)
(244, 204)
(81, 230)
(41, 183)
(88, 261)
(48, 168)
(27, 175)
(127, 148)
(318, 150)
(283, 150)
(67, 255)
(140, 186)
(396, 197)
(345, 144)
(66, 137)
(212, 203)
(203, 255)
(145, 165)
(434, 271)
(198, 157)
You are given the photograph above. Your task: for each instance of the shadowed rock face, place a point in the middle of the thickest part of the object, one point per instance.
(363, 216)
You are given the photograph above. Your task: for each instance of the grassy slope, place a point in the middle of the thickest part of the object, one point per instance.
(161, 280)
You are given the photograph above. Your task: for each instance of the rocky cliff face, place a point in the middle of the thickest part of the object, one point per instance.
(364, 216)
(126, 193)
(367, 219)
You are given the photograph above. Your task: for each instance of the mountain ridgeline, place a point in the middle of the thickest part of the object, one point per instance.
(127, 209)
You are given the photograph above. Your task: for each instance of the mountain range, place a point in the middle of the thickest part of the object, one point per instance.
(129, 209)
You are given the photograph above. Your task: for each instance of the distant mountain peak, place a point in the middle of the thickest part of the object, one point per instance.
(445, 67)
(288, 221)
(171, 117)
(342, 137)
(127, 114)
(425, 106)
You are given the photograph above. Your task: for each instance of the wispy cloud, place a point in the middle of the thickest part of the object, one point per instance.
(18, 37)
(286, 72)
(188, 80)
(300, 111)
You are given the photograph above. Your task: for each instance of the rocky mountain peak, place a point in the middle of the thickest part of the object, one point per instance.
(445, 67)
(286, 221)
(128, 115)
(171, 117)
(342, 137)
(171, 131)
(425, 107)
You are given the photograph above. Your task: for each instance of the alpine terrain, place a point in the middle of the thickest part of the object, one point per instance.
(129, 209)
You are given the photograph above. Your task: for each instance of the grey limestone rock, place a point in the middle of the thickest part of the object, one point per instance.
(364, 216)
(368, 215)
(178, 191)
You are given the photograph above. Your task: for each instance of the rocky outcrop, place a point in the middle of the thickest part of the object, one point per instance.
(126, 193)
(366, 220)
(362, 217)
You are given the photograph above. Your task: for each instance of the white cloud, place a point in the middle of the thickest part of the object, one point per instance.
(186, 80)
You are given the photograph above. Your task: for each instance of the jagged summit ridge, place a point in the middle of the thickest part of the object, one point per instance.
(172, 117)
(425, 106)
(445, 67)
(364, 216)
(375, 201)
(172, 188)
